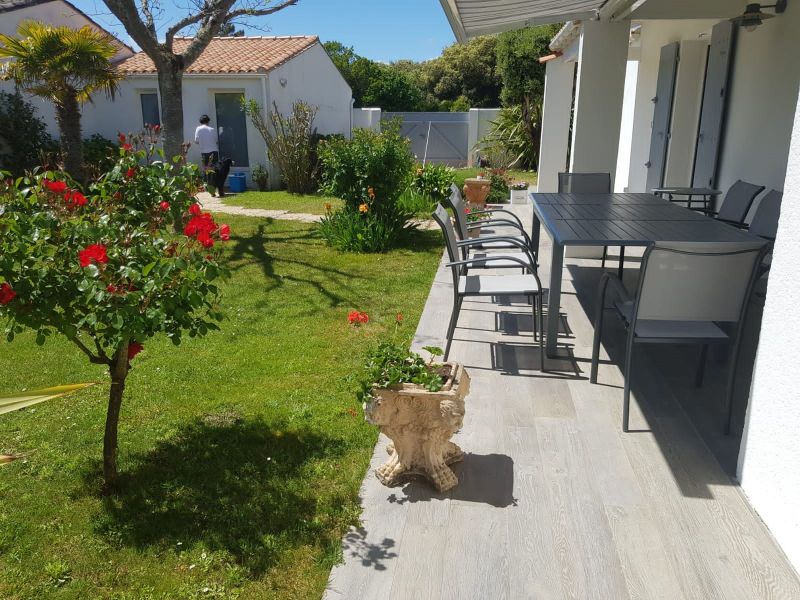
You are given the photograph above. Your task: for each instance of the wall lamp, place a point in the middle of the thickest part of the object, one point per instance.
(753, 15)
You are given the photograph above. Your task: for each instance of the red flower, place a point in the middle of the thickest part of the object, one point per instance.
(112, 289)
(205, 238)
(95, 253)
(156, 128)
(200, 223)
(117, 195)
(399, 317)
(57, 187)
(363, 317)
(6, 294)
(122, 138)
(130, 173)
(133, 349)
(225, 232)
(74, 198)
(352, 316)
(164, 205)
(467, 210)
(195, 209)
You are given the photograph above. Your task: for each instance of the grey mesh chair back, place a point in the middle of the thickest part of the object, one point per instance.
(456, 202)
(584, 183)
(441, 216)
(696, 282)
(738, 201)
(768, 211)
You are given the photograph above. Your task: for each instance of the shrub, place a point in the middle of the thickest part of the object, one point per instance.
(517, 133)
(99, 155)
(415, 203)
(368, 172)
(498, 187)
(290, 143)
(261, 176)
(101, 269)
(23, 136)
(434, 181)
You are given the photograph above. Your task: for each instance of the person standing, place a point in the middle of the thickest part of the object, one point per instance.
(206, 137)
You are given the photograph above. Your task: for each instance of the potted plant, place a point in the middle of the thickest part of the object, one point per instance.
(473, 217)
(419, 405)
(261, 177)
(519, 192)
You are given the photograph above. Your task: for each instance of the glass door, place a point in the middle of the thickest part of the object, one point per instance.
(232, 127)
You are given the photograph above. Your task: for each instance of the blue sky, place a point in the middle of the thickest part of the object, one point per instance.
(382, 30)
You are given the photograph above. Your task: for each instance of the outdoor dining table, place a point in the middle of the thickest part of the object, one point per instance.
(614, 220)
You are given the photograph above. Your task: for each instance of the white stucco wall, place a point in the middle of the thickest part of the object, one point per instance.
(763, 93)
(654, 35)
(367, 118)
(556, 115)
(769, 459)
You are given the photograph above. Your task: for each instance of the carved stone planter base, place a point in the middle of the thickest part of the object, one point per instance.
(420, 424)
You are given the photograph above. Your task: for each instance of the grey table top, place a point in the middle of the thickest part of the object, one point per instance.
(619, 221)
(596, 199)
(686, 191)
(662, 211)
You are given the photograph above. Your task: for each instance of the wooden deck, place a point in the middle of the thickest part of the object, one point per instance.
(554, 500)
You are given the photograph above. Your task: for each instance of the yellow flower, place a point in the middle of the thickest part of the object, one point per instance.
(371, 193)
(362, 208)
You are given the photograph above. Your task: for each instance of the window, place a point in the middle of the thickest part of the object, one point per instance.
(150, 113)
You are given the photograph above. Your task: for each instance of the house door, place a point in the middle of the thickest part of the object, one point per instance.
(232, 127)
(715, 94)
(662, 115)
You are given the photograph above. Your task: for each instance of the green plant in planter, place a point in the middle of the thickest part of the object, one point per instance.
(101, 268)
(261, 177)
(498, 187)
(391, 364)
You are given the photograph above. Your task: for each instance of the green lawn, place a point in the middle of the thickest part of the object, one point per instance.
(241, 453)
(462, 174)
(282, 200)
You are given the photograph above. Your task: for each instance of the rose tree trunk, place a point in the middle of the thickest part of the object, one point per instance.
(119, 372)
(170, 84)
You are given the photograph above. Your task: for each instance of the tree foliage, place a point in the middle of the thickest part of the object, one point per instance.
(24, 140)
(518, 66)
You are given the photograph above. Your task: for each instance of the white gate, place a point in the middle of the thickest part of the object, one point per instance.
(439, 137)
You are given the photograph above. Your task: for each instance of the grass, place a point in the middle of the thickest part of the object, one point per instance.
(312, 204)
(515, 175)
(241, 453)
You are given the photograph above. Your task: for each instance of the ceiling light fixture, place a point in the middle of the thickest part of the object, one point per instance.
(754, 15)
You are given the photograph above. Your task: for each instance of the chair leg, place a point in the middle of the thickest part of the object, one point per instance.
(535, 324)
(732, 380)
(598, 327)
(603, 262)
(541, 334)
(451, 328)
(621, 262)
(701, 367)
(626, 394)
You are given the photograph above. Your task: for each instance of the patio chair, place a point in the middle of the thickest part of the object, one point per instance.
(589, 183)
(509, 219)
(685, 292)
(465, 285)
(736, 204)
(765, 219)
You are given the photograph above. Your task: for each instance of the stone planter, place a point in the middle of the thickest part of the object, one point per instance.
(420, 424)
(476, 190)
(473, 233)
(519, 196)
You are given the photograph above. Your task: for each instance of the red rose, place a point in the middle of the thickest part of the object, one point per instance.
(96, 253)
(156, 128)
(130, 173)
(74, 198)
(122, 138)
(204, 238)
(6, 293)
(352, 316)
(200, 223)
(363, 317)
(164, 205)
(133, 349)
(117, 195)
(57, 187)
(195, 209)
(225, 232)
(111, 288)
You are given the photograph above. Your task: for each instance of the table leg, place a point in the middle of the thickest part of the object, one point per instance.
(536, 227)
(554, 298)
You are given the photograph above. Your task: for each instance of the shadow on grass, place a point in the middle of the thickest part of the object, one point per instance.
(231, 485)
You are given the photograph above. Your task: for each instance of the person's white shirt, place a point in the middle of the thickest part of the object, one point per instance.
(206, 137)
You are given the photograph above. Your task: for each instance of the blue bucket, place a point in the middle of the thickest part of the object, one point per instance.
(237, 182)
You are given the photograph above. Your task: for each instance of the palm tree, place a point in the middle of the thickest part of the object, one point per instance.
(65, 66)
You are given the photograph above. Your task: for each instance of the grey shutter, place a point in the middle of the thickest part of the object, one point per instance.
(662, 115)
(712, 115)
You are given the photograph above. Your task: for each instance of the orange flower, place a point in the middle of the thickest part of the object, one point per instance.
(399, 317)
(362, 208)
(371, 193)
(327, 207)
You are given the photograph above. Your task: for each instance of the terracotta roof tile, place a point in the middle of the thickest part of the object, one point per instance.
(231, 54)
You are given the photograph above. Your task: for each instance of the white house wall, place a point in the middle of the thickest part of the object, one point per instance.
(313, 78)
(654, 35)
(763, 93)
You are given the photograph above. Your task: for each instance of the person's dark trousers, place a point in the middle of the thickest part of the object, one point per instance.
(209, 160)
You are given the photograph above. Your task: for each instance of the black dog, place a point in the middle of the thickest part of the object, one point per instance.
(217, 173)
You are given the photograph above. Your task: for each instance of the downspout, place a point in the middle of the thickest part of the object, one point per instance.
(352, 108)
(265, 100)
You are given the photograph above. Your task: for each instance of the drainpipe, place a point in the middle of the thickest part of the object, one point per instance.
(265, 100)
(352, 107)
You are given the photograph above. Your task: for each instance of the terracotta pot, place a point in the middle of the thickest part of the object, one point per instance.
(420, 424)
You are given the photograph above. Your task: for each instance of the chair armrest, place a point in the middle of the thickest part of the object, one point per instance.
(476, 224)
(479, 241)
(739, 224)
(499, 210)
(482, 261)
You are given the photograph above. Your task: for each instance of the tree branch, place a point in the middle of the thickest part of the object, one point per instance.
(125, 11)
(97, 360)
(259, 12)
(148, 16)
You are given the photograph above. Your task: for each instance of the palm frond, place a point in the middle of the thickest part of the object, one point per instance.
(12, 402)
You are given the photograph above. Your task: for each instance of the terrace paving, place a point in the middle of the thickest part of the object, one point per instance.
(555, 501)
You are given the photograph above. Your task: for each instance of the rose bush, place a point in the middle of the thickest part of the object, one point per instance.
(102, 268)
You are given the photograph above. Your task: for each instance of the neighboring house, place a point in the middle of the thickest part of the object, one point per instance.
(280, 70)
(673, 91)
